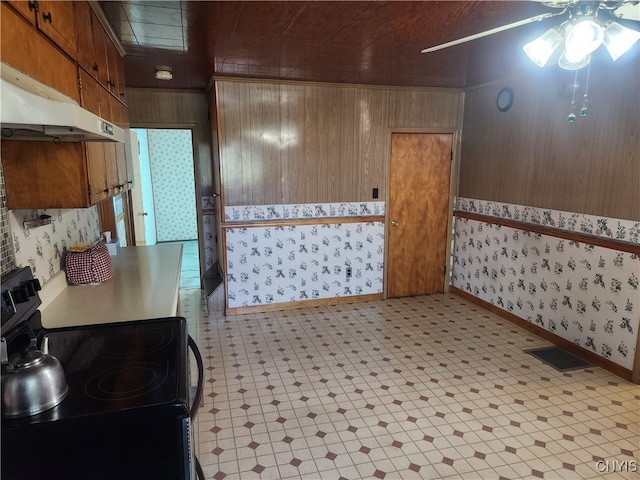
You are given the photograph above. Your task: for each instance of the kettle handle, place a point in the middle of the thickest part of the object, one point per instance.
(33, 339)
(4, 354)
(45, 345)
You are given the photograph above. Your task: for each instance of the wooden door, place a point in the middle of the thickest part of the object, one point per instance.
(418, 215)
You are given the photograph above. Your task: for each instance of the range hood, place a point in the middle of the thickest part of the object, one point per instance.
(30, 110)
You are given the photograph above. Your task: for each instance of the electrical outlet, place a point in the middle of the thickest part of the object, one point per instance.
(349, 272)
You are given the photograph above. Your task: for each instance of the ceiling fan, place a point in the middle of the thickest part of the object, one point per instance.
(589, 25)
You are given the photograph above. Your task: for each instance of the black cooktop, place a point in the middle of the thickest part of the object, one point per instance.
(116, 367)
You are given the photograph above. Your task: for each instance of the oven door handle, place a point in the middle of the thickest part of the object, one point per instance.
(198, 396)
(197, 400)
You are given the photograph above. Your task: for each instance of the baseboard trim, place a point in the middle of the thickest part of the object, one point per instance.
(274, 307)
(541, 332)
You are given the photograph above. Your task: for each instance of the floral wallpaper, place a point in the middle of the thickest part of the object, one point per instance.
(627, 231)
(41, 248)
(209, 231)
(251, 213)
(583, 293)
(171, 157)
(281, 264)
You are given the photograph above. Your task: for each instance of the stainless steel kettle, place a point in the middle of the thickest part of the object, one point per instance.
(32, 381)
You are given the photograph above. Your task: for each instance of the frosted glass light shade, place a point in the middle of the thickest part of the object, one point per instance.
(541, 49)
(569, 64)
(619, 39)
(583, 38)
(164, 73)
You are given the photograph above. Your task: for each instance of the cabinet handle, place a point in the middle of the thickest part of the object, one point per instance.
(47, 17)
(122, 94)
(33, 6)
(106, 190)
(130, 182)
(121, 185)
(95, 67)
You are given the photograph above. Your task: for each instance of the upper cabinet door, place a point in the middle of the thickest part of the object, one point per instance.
(100, 40)
(84, 34)
(113, 57)
(26, 8)
(56, 20)
(33, 54)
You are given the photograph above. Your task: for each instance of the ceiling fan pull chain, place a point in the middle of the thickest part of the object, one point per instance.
(585, 99)
(572, 114)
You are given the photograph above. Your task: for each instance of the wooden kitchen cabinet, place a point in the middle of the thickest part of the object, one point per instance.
(26, 8)
(33, 54)
(54, 18)
(89, 92)
(42, 174)
(67, 175)
(100, 40)
(86, 53)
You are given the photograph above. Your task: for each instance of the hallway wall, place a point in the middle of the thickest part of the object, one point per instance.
(171, 158)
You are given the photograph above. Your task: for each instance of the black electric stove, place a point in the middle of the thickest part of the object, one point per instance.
(127, 413)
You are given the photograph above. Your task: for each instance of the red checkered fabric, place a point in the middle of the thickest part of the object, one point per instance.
(90, 266)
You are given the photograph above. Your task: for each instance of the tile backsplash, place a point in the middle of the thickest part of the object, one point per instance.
(42, 248)
(7, 258)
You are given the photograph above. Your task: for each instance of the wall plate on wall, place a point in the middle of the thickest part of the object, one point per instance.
(505, 99)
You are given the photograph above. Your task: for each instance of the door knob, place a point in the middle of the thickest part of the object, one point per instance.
(394, 223)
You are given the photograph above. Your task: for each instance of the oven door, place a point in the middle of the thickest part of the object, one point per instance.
(125, 445)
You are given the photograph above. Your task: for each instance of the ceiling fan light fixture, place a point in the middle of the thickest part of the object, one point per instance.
(542, 48)
(164, 73)
(583, 37)
(573, 64)
(618, 39)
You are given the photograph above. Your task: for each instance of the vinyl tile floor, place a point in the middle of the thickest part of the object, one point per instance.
(429, 387)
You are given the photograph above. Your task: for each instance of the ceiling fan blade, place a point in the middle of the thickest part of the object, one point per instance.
(628, 11)
(486, 33)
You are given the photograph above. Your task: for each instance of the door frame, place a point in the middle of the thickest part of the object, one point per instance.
(196, 173)
(453, 193)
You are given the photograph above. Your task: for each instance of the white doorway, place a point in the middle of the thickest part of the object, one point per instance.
(143, 207)
(165, 206)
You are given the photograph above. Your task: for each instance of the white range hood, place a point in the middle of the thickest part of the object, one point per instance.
(30, 110)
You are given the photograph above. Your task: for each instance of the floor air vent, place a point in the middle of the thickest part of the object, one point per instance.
(558, 358)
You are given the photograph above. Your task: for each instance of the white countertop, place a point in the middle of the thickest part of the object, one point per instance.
(145, 285)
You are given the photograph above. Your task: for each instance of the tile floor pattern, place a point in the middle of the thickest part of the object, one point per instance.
(426, 387)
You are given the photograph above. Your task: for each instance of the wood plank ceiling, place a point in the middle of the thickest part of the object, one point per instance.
(374, 42)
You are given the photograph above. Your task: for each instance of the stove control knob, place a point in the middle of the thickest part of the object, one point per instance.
(32, 286)
(8, 306)
(20, 294)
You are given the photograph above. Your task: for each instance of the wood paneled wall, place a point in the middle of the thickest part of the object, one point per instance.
(531, 155)
(287, 143)
(156, 108)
